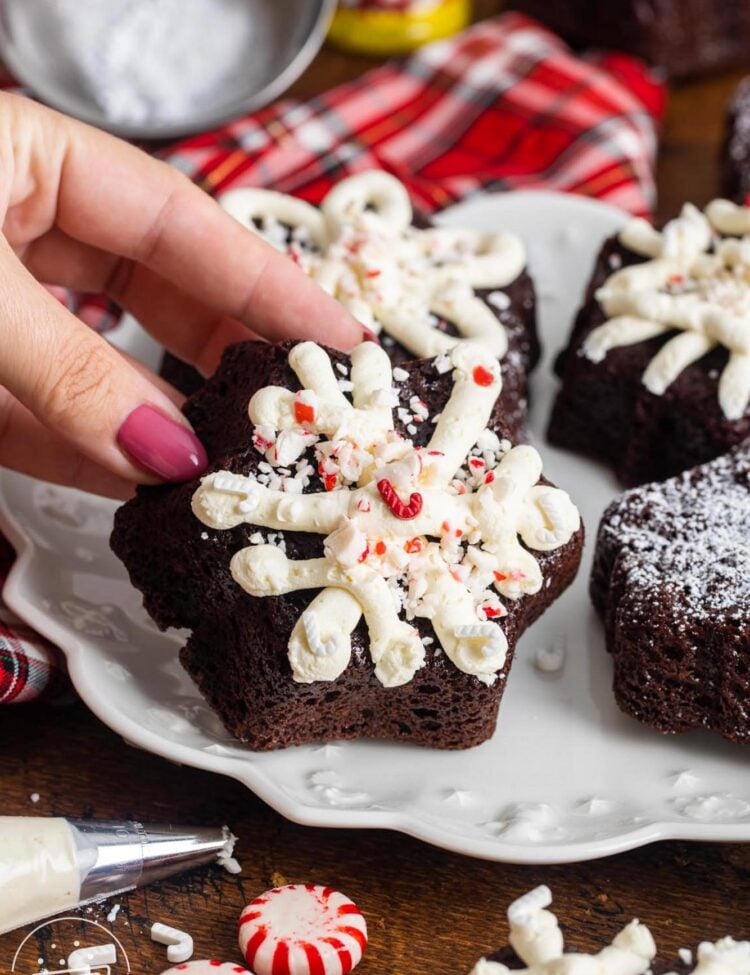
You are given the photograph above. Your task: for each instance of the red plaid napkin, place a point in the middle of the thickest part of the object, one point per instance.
(505, 105)
(30, 667)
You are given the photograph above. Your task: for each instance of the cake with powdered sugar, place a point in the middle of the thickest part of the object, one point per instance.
(537, 947)
(656, 374)
(363, 553)
(419, 287)
(671, 580)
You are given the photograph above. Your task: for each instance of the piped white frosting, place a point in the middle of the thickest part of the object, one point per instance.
(695, 283)
(360, 246)
(536, 938)
(447, 556)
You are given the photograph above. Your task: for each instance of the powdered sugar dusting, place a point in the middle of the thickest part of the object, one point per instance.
(689, 538)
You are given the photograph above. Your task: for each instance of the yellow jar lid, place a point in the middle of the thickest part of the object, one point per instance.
(384, 32)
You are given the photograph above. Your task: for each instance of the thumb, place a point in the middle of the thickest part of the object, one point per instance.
(84, 390)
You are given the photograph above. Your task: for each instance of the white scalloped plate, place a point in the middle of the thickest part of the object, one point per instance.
(566, 776)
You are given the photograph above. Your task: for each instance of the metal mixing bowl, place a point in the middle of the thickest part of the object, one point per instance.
(288, 35)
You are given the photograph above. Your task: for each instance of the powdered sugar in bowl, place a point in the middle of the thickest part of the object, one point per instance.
(159, 69)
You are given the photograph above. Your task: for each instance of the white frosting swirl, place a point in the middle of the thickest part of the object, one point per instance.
(361, 248)
(536, 938)
(693, 284)
(447, 558)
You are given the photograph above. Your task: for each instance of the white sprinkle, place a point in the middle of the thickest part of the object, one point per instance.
(443, 363)
(686, 955)
(113, 913)
(342, 368)
(180, 943)
(345, 385)
(551, 659)
(35, 797)
(400, 375)
(204, 536)
(411, 429)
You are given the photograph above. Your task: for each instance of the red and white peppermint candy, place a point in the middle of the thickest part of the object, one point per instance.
(302, 929)
(207, 967)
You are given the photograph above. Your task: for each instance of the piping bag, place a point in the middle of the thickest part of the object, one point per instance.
(52, 865)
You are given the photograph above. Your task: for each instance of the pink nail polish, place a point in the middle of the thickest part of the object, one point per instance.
(162, 446)
(369, 336)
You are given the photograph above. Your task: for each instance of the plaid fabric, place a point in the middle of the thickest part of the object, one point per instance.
(505, 105)
(30, 667)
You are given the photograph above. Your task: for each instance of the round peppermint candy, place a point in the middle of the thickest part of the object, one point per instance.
(302, 930)
(207, 967)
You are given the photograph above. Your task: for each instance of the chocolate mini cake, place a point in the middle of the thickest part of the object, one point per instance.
(364, 552)
(671, 580)
(537, 947)
(735, 155)
(656, 375)
(182, 376)
(683, 37)
(420, 287)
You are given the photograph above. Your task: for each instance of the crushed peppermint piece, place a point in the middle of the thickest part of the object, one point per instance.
(499, 300)
(443, 364)
(483, 376)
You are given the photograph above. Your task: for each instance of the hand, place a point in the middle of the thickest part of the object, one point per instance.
(82, 209)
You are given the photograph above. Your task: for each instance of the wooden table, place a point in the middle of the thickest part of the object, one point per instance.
(429, 912)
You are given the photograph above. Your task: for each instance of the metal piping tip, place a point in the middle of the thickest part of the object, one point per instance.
(117, 856)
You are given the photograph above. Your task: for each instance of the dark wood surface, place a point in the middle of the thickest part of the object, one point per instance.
(429, 912)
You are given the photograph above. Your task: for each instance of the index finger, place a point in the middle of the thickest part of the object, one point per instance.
(115, 197)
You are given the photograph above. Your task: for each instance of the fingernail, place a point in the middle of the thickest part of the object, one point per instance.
(162, 446)
(369, 336)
